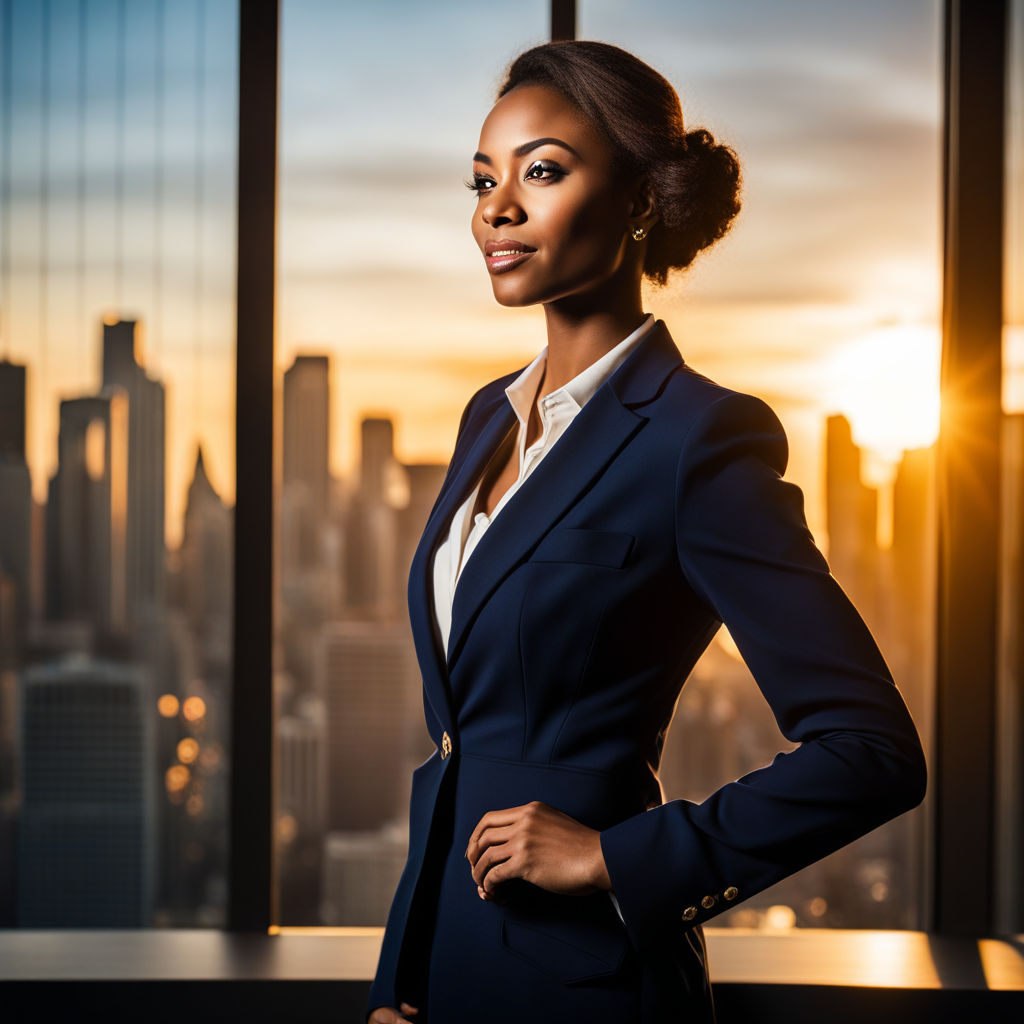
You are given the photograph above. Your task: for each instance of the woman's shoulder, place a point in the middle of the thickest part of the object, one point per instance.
(692, 397)
(699, 413)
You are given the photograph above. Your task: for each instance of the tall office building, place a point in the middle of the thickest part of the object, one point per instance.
(301, 810)
(12, 409)
(870, 883)
(306, 453)
(8, 751)
(364, 672)
(86, 561)
(206, 558)
(85, 845)
(16, 573)
(424, 479)
(15, 506)
(852, 519)
(360, 873)
(910, 647)
(372, 527)
(145, 541)
(302, 771)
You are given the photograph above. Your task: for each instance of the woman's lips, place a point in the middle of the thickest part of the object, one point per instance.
(505, 253)
(500, 262)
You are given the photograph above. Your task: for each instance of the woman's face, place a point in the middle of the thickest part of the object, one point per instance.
(546, 188)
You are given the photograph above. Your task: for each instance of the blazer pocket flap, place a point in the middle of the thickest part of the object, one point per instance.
(568, 954)
(593, 547)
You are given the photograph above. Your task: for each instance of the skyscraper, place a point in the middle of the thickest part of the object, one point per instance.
(206, 559)
(145, 543)
(852, 519)
(86, 513)
(364, 670)
(85, 846)
(306, 453)
(15, 505)
(372, 527)
(12, 410)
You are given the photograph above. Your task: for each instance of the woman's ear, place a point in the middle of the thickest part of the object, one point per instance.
(643, 208)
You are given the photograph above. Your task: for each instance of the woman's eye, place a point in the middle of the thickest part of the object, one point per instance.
(541, 170)
(551, 171)
(479, 183)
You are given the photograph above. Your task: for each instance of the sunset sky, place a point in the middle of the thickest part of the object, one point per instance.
(822, 298)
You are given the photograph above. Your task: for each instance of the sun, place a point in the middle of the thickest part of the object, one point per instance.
(886, 383)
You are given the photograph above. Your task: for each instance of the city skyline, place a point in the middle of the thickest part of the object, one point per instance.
(349, 729)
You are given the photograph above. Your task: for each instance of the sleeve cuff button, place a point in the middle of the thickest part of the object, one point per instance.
(689, 913)
(708, 902)
(731, 893)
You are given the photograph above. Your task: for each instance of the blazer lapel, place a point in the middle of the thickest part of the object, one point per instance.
(497, 419)
(591, 441)
(597, 434)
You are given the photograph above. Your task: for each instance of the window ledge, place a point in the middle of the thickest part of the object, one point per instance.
(325, 973)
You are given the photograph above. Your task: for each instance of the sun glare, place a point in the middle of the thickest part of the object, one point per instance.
(887, 384)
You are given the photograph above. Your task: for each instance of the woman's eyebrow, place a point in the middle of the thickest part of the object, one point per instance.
(526, 147)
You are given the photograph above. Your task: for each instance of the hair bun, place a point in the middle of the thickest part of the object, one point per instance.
(700, 197)
(694, 180)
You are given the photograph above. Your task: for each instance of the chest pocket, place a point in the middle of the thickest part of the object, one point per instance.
(591, 547)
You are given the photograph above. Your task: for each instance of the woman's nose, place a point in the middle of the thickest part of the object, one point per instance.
(502, 207)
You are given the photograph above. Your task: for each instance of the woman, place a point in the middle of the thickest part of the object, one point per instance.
(547, 878)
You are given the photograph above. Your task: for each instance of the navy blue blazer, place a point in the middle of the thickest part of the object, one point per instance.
(660, 514)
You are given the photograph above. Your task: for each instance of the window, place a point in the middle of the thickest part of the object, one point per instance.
(824, 299)
(386, 327)
(116, 462)
(117, 476)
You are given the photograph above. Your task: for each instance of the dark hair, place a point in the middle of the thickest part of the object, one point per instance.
(694, 180)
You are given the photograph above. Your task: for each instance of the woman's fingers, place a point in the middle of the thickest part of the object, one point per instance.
(490, 856)
(389, 1015)
(492, 819)
(538, 843)
(491, 836)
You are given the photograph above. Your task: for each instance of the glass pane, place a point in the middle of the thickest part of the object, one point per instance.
(824, 300)
(116, 460)
(386, 326)
(1010, 893)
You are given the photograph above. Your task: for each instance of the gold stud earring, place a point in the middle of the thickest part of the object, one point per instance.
(639, 233)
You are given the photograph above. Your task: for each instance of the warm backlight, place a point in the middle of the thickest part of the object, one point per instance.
(887, 385)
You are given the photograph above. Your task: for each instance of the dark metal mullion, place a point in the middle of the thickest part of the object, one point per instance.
(563, 19)
(252, 892)
(963, 756)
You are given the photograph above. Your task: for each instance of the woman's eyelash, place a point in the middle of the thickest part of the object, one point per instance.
(543, 165)
(477, 182)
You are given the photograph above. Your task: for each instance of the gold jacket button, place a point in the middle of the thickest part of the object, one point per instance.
(708, 902)
(689, 913)
(446, 745)
(731, 893)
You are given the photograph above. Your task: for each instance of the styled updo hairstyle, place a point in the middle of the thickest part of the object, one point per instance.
(695, 181)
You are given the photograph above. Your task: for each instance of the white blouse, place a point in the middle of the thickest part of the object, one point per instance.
(557, 410)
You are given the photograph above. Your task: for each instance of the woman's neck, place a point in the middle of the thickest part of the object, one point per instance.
(576, 341)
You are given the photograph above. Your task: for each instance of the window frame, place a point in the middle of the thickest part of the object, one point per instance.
(962, 795)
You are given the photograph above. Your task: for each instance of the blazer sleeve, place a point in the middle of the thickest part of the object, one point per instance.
(743, 544)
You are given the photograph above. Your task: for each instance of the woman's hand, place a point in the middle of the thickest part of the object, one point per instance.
(539, 844)
(389, 1015)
